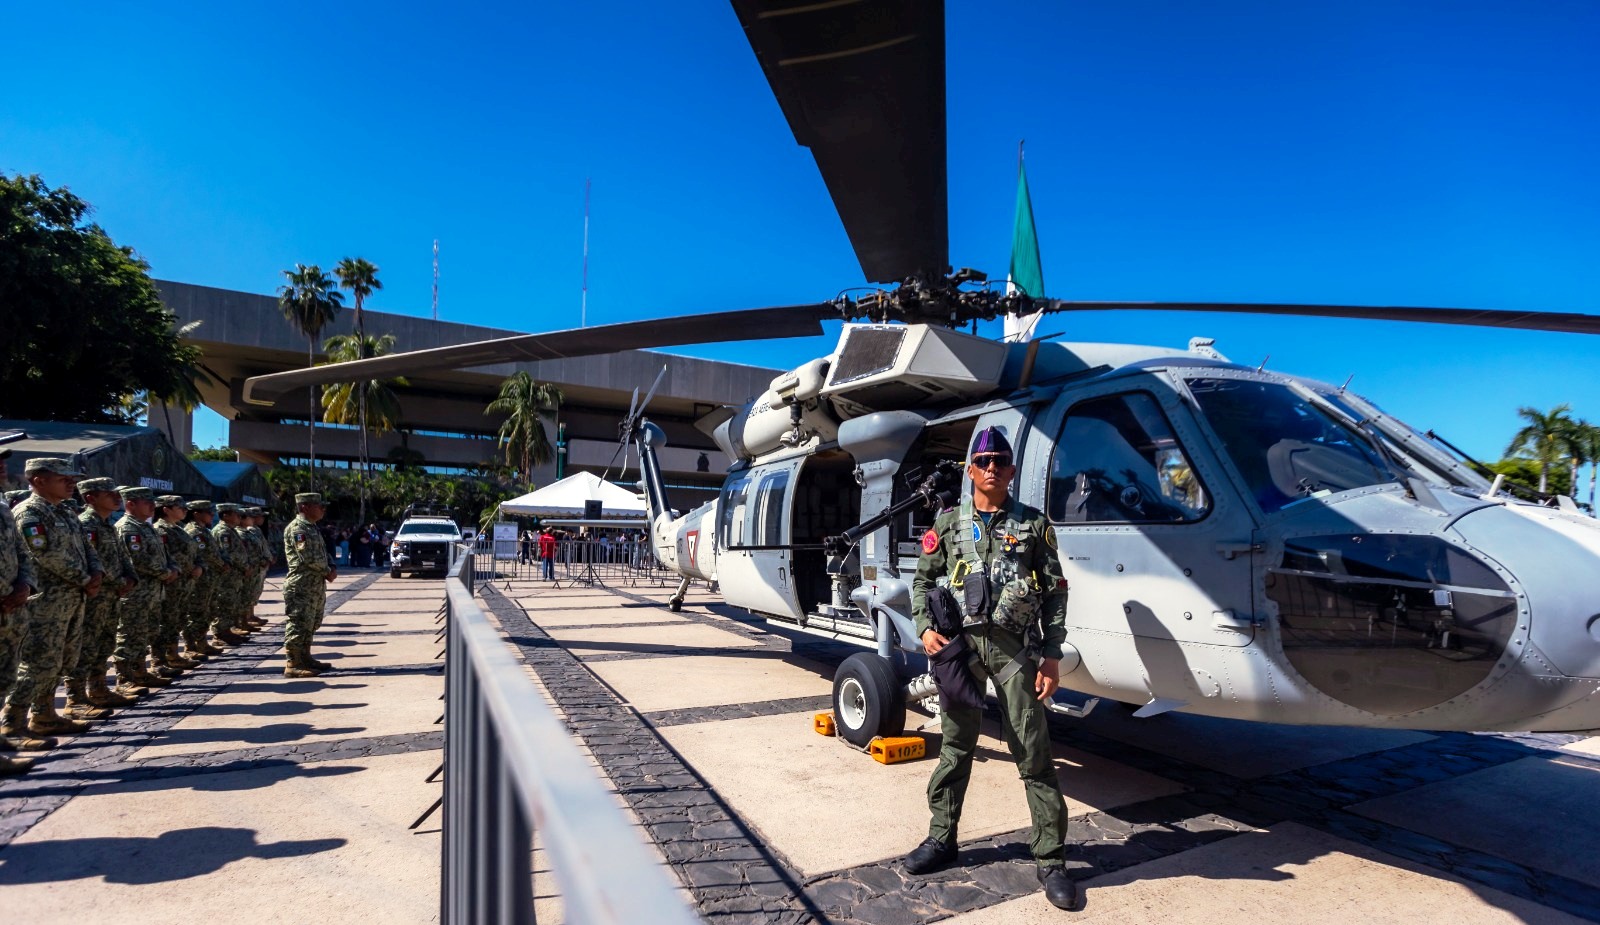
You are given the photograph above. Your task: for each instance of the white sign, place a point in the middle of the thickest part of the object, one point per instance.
(505, 541)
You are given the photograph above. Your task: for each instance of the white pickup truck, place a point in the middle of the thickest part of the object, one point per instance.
(424, 544)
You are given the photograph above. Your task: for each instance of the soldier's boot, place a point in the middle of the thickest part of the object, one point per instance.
(102, 696)
(128, 681)
(317, 663)
(176, 659)
(159, 667)
(144, 678)
(46, 721)
(191, 649)
(220, 632)
(14, 721)
(17, 737)
(78, 704)
(10, 767)
(206, 645)
(297, 664)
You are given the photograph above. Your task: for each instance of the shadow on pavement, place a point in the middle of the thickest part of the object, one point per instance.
(176, 855)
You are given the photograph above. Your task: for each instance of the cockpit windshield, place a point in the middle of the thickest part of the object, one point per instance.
(1285, 446)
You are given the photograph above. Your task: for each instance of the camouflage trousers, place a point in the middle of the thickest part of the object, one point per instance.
(198, 617)
(44, 636)
(303, 600)
(174, 612)
(10, 645)
(138, 616)
(224, 612)
(97, 638)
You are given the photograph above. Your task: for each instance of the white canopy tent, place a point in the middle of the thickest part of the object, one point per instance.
(566, 499)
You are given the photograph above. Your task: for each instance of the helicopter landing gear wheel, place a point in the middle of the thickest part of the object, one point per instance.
(674, 604)
(867, 699)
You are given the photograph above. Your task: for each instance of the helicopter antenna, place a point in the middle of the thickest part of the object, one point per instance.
(1346, 383)
(1263, 363)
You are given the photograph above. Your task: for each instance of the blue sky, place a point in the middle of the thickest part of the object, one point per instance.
(1397, 152)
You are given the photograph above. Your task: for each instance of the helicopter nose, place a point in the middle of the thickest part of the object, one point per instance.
(1555, 559)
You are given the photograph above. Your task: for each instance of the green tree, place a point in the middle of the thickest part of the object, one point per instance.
(368, 403)
(309, 303)
(85, 325)
(1546, 438)
(359, 277)
(214, 454)
(1586, 449)
(525, 402)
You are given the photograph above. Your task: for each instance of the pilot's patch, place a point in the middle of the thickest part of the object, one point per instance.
(977, 533)
(930, 542)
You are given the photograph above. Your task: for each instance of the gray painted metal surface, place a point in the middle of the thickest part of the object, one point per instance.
(512, 767)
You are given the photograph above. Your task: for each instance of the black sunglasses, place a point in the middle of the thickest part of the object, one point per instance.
(996, 460)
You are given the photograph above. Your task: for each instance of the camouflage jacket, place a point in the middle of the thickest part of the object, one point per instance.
(205, 548)
(181, 548)
(15, 563)
(61, 554)
(102, 538)
(227, 544)
(304, 550)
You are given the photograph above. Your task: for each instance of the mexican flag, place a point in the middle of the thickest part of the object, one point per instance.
(1026, 274)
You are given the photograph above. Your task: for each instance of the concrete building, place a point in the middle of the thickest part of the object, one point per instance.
(442, 413)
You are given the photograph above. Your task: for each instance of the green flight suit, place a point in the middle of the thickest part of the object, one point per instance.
(1023, 536)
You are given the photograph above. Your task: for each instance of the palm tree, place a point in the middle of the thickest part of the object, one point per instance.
(364, 403)
(524, 402)
(309, 302)
(1546, 438)
(360, 277)
(1586, 449)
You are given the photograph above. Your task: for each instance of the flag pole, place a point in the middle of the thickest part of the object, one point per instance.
(583, 317)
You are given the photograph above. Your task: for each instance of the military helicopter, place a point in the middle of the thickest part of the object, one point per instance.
(1240, 543)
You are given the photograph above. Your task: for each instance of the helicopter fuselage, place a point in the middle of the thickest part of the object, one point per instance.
(1238, 543)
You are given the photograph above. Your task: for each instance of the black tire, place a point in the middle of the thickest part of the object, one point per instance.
(674, 605)
(394, 573)
(867, 699)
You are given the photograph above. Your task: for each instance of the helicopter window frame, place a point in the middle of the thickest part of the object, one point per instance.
(1152, 504)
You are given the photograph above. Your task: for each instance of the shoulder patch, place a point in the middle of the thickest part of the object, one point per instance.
(977, 532)
(133, 542)
(930, 542)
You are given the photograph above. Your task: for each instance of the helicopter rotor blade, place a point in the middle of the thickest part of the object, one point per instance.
(634, 418)
(862, 84)
(709, 328)
(1567, 322)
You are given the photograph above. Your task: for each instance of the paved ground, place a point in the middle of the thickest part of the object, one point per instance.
(237, 789)
(239, 795)
(702, 722)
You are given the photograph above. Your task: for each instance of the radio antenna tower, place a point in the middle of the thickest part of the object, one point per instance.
(435, 279)
(583, 317)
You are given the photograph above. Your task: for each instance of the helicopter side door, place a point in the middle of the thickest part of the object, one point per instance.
(754, 565)
(1155, 545)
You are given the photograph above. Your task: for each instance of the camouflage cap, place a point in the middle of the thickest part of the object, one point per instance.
(170, 500)
(308, 497)
(12, 497)
(253, 511)
(73, 504)
(227, 507)
(136, 493)
(97, 484)
(198, 506)
(51, 465)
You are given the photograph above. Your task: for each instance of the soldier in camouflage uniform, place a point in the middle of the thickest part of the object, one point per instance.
(17, 582)
(256, 534)
(224, 603)
(185, 556)
(78, 705)
(201, 605)
(86, 680)
(998, 558)
(305, 587)
(68, 572)
(140, 612)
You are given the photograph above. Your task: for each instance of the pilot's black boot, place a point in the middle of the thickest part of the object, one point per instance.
(929, 856)
(1058, 888)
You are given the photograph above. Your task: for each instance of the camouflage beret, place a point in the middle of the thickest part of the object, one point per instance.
(227, 507)
(97, 484)
(51, 465)
(137, 493)
(308, 497)
(169, 500)
(196, 506)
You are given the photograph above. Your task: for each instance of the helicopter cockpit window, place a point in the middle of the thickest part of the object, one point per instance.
(1285, 446)
(1118, 461)
(735, 496)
